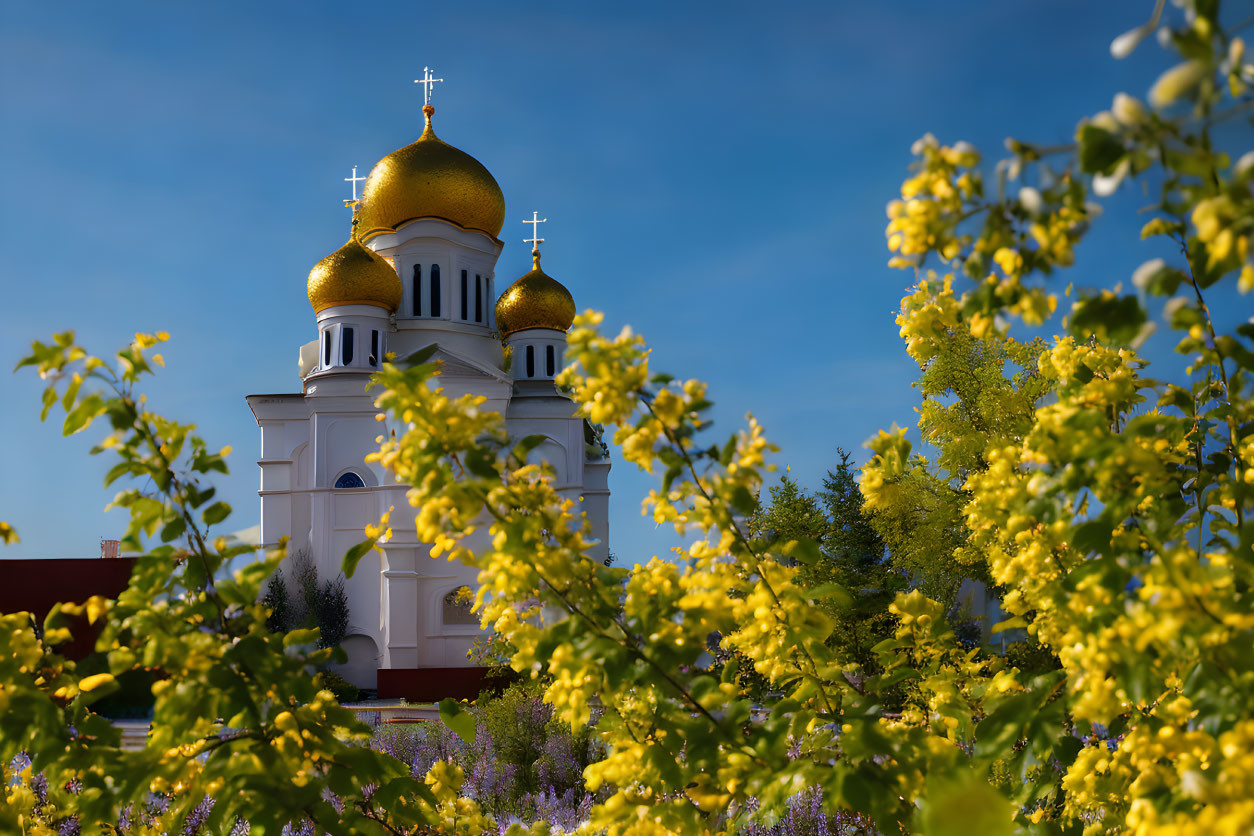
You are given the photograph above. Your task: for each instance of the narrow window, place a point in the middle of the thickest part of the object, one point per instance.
(531, 361)
(349, 480)
(549, 361)
(435, 291)
(417, 290)
(346, 345)
(326, 349)
(465, 298)
(374, 348)
(457, 606)
(478, 298)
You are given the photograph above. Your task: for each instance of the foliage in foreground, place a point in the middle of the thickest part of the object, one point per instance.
(237, 717)
(1113, 508)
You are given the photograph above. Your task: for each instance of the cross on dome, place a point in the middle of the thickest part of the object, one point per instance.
(535, 240)
(428, 84)
(354, 203)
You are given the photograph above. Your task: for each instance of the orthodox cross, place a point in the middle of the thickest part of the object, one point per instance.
(535, 240)
(428, 84)
(354, 180)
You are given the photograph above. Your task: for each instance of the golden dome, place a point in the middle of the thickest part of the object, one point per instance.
(354, 275)
(535, 301)
(430, 179)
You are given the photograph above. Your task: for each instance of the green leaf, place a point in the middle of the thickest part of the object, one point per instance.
(964, 807)
(216, 513)
(80, 418)
(481, 463)
(1010, 624)
(1092, 536)
(834, 592)
(525, 446)
(71, 393)
(1110, 318)
(1100, 150)
(354, 555)
(742, 500)
(173, 529)
(806, 551)
(458, 719)
(299, 637)
(672, 473)
(422, 355)
(50, 398)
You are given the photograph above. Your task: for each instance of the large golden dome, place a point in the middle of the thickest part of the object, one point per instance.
(535, 301)
(430, 179)
(354, 275)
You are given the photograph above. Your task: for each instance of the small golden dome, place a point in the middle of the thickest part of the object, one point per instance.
(430, 179)
(535, 301)
(354, 275)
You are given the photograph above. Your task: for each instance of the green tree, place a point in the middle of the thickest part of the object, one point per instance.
(977, 393)
(852, 556)
(856, 559)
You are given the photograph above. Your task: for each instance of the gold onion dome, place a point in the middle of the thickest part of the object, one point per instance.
(430, 179)
(354, 275)
(535, 301)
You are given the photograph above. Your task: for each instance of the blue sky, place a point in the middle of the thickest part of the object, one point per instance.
(713, 174)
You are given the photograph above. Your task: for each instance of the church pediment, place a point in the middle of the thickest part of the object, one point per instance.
(453, 364)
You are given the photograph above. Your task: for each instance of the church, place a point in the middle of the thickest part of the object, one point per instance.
(418, 270)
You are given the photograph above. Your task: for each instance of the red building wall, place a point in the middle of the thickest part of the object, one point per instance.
(35, 585)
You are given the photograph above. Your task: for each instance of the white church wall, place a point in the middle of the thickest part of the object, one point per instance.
(596, 504)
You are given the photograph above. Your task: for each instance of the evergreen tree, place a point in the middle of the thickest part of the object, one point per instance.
(277, 602)
(332, 612)
(852, 555)
(855, 557)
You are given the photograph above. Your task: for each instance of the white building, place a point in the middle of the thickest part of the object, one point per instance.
(419, 269)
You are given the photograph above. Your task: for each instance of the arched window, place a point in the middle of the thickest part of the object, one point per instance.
(326, 349)
(435, 291)
(531, 361)
(349, 480)
(416, 290)
(478, 298)
(550, 361)
(457, 606)
(346, 345)
(465, 299)
(374, 348)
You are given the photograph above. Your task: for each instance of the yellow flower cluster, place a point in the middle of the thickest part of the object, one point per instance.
(604, 396)
(923, 220)
(455, 813)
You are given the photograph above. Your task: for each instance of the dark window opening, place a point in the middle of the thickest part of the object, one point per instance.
(435, 290)
(326, 349)
(531, 361)
(478, 298)
(417, 290)
(374, 348)
(346, 345)
(349, 480)
(550, 361)
(465, 299)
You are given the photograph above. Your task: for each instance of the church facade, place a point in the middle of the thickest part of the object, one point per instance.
(418, 270)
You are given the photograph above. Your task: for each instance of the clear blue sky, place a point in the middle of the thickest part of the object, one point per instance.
(713, 174)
